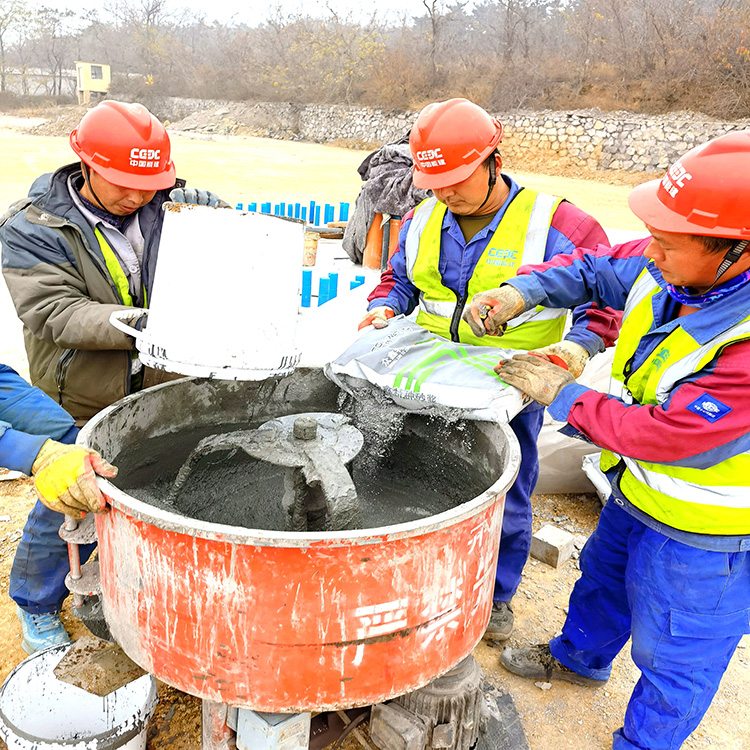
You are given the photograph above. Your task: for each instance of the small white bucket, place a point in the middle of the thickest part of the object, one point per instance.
(39, 712)
(225, 298)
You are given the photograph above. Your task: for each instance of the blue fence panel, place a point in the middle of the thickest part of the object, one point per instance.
(333, 285)
(323, 291)
(306, 288)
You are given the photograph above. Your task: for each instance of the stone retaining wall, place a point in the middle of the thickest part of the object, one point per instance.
(598, 140)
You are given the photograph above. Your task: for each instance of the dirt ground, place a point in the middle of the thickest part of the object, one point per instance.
(558, 716)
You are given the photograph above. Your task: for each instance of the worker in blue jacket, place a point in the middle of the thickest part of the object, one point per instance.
(668, 565)
(36, 437)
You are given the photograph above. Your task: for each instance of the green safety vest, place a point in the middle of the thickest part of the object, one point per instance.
(520, 239)
(705, 501)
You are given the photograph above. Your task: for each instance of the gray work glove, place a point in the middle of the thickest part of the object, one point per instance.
(536, 376)
(573, 355)
(197, 197)
(488, 312)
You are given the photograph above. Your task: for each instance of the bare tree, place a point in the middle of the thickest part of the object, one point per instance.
(12, 17)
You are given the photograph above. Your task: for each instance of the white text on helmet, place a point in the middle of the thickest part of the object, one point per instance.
(429, 154)
(145, 153)
(675, 178)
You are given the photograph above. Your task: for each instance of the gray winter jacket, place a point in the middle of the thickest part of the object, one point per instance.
(64, 294)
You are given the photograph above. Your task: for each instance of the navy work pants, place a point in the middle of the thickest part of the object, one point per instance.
(515, 541)
(685, 609)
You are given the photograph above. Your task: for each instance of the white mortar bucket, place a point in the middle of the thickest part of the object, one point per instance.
(39, 712)
(225, 299)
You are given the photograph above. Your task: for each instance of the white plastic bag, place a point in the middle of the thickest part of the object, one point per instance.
(560, 456)
(417, 370)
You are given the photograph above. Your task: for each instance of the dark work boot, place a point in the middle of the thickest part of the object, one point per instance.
(501, 622)
(538, 663)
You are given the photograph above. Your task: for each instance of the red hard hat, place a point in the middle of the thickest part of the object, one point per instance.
(126, 145)
(450, 140)
(705, 192)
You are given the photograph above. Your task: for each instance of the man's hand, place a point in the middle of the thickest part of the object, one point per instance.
(197, 197)
(378, 317)
(573, 355)
(65, 478)
(489, 311)
(537, 377)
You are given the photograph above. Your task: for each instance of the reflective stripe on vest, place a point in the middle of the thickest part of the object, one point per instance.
(519, 239)
(115, 269)
(705, 501)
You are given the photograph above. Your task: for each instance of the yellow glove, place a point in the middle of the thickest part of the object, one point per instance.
(489, 311)
(65, 478)
(378, 317)
(574, 355)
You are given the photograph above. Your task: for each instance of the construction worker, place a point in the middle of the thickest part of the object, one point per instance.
(668, 562)
(82, 245)
(476, 231)
(35, 438)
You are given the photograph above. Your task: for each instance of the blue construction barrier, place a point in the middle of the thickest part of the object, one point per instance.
(298, 211)
(306, 288)
(327, 287)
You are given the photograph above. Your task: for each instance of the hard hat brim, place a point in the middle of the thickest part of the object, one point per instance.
(161, 181)
(426, 181)
(645, 203)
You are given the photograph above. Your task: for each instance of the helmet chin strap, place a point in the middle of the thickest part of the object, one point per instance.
(491, 183)
(86, 175)
(730, 258)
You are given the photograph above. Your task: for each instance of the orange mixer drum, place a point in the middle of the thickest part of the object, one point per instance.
(281, 621)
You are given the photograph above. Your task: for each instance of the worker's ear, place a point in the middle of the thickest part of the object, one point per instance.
(498, 162)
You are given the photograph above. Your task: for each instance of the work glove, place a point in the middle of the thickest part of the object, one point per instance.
(65, 478)
(197, 197)
(572, 355)
(378, 317)
(488, 312)
(536, 376)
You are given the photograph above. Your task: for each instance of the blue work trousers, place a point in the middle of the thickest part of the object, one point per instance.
(685, 609)
(37, 578)
(515, 541)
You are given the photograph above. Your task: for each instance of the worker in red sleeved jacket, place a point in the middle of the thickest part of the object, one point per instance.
(668, 563)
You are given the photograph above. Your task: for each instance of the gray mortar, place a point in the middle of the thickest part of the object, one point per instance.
(402, 476)
(313, 450)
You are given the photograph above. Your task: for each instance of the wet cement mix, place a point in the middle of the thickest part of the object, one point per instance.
(408, 467)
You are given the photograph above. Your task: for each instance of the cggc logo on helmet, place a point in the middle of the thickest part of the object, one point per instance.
(432, 157)
(675, 178)
(145, 157)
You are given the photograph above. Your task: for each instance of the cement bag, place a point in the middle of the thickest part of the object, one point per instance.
(560, 456)
(590, 466)
(419, 370)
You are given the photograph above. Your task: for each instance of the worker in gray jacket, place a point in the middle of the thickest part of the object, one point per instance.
(82, 245)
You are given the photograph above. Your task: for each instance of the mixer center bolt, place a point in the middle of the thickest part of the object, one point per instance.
(305, 428)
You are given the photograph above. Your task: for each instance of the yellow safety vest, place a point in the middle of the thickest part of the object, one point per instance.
(115, 269)
(705, 501)
(520, 239)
